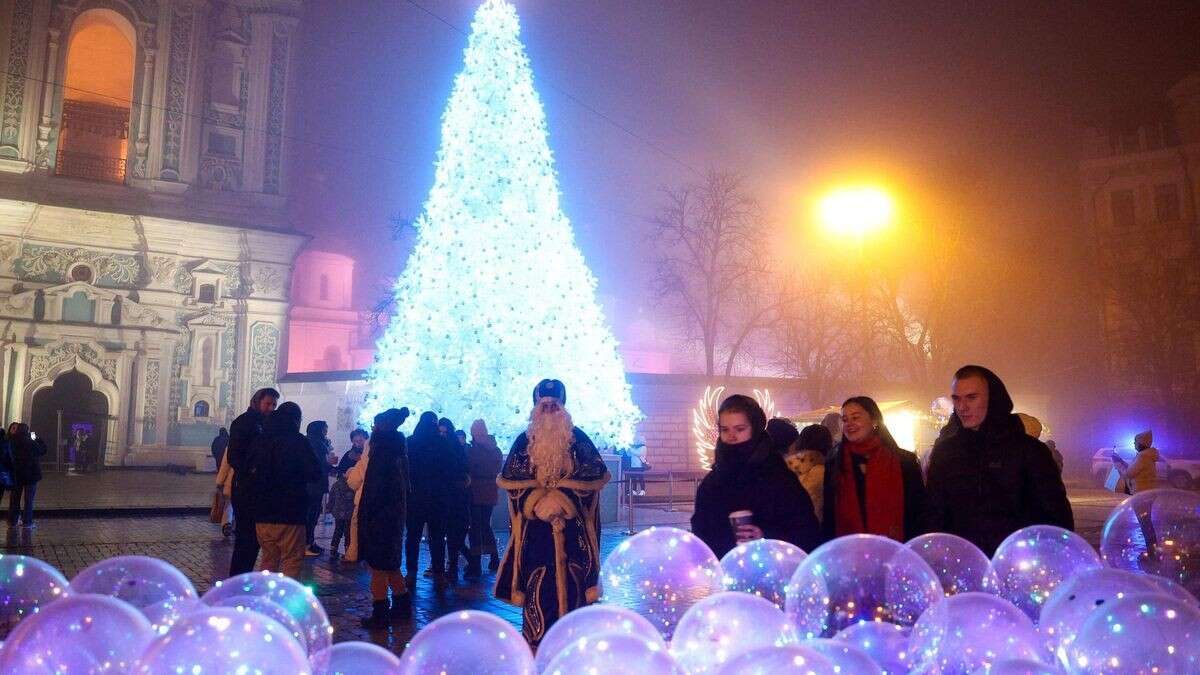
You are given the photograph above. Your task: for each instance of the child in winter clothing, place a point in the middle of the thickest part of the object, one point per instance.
(341, 506)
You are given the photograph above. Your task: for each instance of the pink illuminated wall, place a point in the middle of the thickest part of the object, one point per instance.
(325, 331)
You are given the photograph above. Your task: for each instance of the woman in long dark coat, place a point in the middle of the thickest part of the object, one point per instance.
(25, 455)
(381, 516)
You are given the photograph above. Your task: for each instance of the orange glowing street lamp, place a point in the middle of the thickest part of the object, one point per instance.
(858, 211)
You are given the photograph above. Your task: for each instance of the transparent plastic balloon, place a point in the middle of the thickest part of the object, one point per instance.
(884, 642)
(762, 567)
(614, 654)
(591, 621)
(167, 613)
(1172, 588)
(26, 585)
(959, 565)
(659, 573)
(83, 633)
(847, 658)
(1033, 561)
(862, 577)
(224, 640)
(152, 585)
(1140, 634)
(1157, 532)
(1074, 600)
(268, 608)
(358, 658)
(972, 630)
(286, 592)
(467, 643)
(1019, 667)
(722, 626)
(788, 660)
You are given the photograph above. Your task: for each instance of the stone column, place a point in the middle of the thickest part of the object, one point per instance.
(47, 122)
(142, 144)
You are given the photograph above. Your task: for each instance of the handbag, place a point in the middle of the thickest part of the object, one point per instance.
(1115, 482)
(217, 511)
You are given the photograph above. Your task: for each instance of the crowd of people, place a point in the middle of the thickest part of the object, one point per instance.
(385, 494)
(985, 478)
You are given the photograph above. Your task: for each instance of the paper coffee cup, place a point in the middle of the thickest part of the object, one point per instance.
(739, 518)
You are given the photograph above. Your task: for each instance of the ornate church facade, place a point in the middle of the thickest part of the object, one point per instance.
(145, 249)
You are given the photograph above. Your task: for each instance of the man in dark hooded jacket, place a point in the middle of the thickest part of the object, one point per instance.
(242, 433)
(987, 478)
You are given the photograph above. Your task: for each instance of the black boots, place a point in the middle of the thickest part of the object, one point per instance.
(379, 618)
(401, 606)
(494, 563)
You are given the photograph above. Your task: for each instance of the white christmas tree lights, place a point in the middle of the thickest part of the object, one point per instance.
(495, 295)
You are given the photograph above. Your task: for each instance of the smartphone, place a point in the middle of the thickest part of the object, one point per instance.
(33, 435)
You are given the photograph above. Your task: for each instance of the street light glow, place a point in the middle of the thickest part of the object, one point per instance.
(858, 211)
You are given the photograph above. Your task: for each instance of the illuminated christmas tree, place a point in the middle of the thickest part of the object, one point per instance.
(495, 295)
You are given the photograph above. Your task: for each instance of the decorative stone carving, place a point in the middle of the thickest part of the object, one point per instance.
(14, 80)
(276, 91)
(178, 71)
(49, 264)
(150, 404)
(41, 364)
(221, 174)
(267, 280)
(264, 355)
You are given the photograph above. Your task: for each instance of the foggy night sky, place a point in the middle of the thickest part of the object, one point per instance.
(978, 109)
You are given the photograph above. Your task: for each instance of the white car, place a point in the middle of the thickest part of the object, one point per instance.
(1183, 474)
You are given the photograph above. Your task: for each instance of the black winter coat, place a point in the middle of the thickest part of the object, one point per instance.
(755, 480)
(282, 465)
(383, 506)
(914, 493)
(984, 485)
(320, 450)
(25, 456)
(437, 469)
(242, 433)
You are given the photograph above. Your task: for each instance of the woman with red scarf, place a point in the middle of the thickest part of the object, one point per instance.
(872, 486)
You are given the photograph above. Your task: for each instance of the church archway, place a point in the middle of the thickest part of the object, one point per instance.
(72, 418)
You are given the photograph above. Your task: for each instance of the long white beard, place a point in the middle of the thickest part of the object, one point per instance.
(551, 436)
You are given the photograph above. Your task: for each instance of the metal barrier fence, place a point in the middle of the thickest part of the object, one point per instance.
(627, 496)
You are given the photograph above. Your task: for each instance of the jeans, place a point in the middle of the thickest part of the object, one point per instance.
(282, 547)
(422, 513)
(245, 542)
(483, 539)
(341, 529)
(14, 503)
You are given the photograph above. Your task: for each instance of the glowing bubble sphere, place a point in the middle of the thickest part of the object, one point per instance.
(286, 592)
(26, 585)
(82, 633)
(1018, 667)
(789, 660)
(659, 573)
(1033, 561)
(467, 643)
(224, 640)
(884, 642)
(1172, 588)
(151, 585)
(972, 630)
(1157, 532)
(862, 577)
(1140, 634)
(163, 615)
(268, 608)
(722, 626)
(614, 654)
(591, 621)
(358, 658)
(958, 564)
(761, 567)
(848, 659)
(1075, 599)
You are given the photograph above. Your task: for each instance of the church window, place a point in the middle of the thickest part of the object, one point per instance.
(94, 131)
(81, 273)
(200, 409)
(207, 293)
(324, 286)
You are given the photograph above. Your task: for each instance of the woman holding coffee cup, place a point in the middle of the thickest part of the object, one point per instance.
(750, 493)
(872, 486)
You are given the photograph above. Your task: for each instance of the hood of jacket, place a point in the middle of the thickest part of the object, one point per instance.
(281, 422)
(1000, 418)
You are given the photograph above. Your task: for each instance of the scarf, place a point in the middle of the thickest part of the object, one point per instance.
(884, 488)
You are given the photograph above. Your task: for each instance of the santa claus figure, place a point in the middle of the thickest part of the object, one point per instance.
(553, 476)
